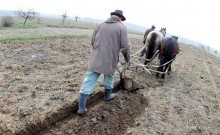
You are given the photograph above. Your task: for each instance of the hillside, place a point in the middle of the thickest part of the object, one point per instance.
(130, 26)
(40, 80)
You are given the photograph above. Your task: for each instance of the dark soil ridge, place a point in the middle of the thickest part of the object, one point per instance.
(41, 124)
(116, 117)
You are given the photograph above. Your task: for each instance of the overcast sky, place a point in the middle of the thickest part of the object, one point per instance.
(192, 19)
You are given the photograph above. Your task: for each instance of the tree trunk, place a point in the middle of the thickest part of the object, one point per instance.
(25, 21)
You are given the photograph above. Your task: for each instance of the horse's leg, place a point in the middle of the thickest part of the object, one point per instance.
(169, 70)
(143, 51)
(167, 66)
(145, 61)
(146, 52)
(164, 67)
(160, 68)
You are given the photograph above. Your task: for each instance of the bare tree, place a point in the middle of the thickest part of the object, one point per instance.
(29, 14)
(76, 18)
(64, 17)
(35, 14)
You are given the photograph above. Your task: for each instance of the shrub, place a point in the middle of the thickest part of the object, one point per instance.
(7, 21)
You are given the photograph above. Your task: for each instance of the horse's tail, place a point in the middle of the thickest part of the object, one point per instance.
(169, 47)
(151, 45)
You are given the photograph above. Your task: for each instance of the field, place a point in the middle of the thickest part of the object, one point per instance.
(42, 69)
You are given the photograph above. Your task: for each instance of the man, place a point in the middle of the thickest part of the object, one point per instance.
(145, 38)
(109, 38)
(175, 37)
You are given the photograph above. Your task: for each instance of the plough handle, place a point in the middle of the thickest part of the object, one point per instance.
(123, 70)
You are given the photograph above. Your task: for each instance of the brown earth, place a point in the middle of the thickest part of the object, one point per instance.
(40, 81)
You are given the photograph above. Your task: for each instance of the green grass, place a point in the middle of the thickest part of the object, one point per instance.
(39, 37)
(32, 25)
(26, 26)
(79, 25)
(136, 32)
(21, 26)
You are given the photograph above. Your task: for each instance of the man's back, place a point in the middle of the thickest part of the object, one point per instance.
(108, 35)
(107, 41)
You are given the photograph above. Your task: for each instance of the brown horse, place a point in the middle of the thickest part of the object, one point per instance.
(154, 39)
(168, 51)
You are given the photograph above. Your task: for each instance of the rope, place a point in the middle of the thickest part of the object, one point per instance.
(163, 64)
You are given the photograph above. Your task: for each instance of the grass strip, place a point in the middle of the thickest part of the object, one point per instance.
(39, 37)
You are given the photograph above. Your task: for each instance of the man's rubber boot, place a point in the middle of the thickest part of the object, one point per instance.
(108, 95)
(82, 103)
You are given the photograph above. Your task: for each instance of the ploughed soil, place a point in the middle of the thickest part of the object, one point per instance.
(40, 82)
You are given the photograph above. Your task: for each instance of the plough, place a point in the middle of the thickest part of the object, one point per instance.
(135, 63)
